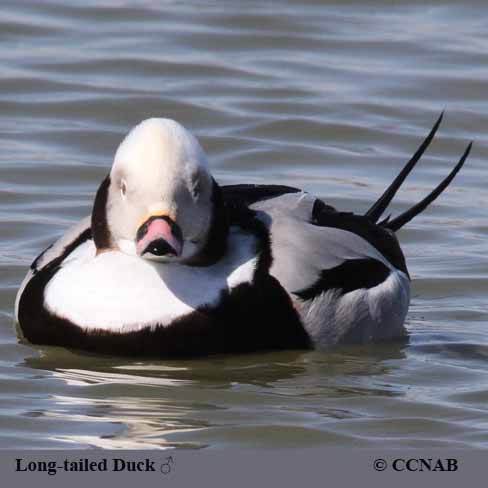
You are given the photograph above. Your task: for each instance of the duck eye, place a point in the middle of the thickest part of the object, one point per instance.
(123, 188)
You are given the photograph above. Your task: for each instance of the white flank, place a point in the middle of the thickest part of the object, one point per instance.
(378, 312)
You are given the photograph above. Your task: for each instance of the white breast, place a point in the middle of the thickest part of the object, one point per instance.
(117, 292)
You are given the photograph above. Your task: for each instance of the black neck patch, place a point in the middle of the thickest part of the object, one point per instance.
(216, 244)
(99, 224)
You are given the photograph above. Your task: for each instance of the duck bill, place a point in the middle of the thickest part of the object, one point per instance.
(159, 236)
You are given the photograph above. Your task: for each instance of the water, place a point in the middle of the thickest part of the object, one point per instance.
(332, 97)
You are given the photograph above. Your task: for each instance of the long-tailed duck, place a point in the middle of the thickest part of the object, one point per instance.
(171, 264)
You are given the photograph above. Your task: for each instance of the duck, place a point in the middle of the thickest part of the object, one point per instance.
(172, 264)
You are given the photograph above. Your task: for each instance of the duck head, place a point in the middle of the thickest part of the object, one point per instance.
(159, 201)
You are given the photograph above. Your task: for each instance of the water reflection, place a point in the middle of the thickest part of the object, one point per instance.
(158, 403)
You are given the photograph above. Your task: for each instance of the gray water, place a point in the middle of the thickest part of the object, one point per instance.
(331, 97)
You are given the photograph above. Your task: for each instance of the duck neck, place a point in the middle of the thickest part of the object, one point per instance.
(216, 243)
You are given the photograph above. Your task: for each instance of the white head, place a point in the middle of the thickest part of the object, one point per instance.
(158, 199)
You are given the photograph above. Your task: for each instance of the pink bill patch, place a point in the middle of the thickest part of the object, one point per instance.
(158, 229)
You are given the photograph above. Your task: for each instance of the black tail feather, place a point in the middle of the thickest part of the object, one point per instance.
(405, 217)
(375, 212)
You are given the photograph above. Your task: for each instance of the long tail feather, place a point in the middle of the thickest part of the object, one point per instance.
(405, 217)
(375, 212)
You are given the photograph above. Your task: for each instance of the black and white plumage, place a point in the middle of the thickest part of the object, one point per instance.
(171, 264)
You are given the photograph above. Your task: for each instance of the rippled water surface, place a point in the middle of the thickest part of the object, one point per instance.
(332, 97)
